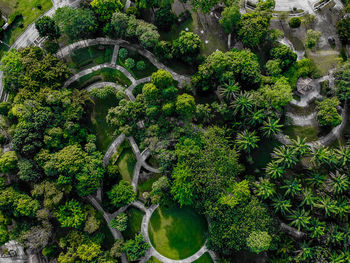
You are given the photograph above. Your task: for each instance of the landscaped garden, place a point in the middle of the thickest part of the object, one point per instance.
(177, 233)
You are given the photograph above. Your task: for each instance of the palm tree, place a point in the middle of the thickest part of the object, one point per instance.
(247, 141)
(335, 236)
(293, 187)
(337, 257)
(316, 179)
(339, 183)
(243, 103)
(265, 188)
(274, 170)
(306, 252)
(300, 218)
(322, 156)
(343, 155)
(326, 204)
(317, 228)
(300, 146)
(281, 205)
(308, 198)
(342, 208)
(229, 90)
(285, 155)
(271, 127)
(256, 117)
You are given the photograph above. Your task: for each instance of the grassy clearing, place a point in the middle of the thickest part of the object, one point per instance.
(154, 260)
(90, 56)
(177, 233)
(138, 74)
(30, 10)
(324, 59)
(125, 160)
(105, 74)
(134, 223)
(97, 123)
(310, 133)
(147, 185)
(205, 258)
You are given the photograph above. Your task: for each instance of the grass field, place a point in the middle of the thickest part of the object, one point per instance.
(30, 10)
(126, 164)
(134, 223)
(147, 185)
(90, 56)
(154, 260)
(205, 258)
(310, 133)
(177, 233)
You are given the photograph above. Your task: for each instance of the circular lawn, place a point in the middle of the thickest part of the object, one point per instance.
(177, 233)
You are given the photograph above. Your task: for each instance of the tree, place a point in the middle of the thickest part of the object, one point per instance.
(204, 5)
(11, 65)
(271, 127)
(338, 182)
(259, 241)
(292, 187)
(236, 194)
(343, 30)
(265, 5)
(75, 23)
(185, 105)
(47, 27)
(342, 81)
(134, 249)
(230, 18)
(253, 29)
(120, 222)
(278, 95)
(122, 194)
(182, 187)
(187, 46)
(116, 250)
(28, 171)
(294, 22)
(265, 188)
(162, 79)
(243, 103)
(247, 141)
(273, 67)
(71, 214)
(164, 18)
(285, 55)
(281, 205)
(312, 38)
(104, 9)
(300, 218)
(327, 114)
(8, 162)
(87, 252)
(120, 22)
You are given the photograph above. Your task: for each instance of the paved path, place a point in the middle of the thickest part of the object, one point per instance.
(115, 54)
(303, 120)
(181, 79)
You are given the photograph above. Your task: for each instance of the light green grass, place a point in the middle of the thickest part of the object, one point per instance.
(90, 56)
(324, 60)
(154, 260)
(205, 258)
(177, 233)
(126, 164)
(29, 11)
(147, 185)
(310, 133)
(134, 223)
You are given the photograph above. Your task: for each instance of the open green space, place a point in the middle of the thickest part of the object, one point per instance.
(90, 56)
(138, 74)
(134, 223)
(125, 159)
(205, 258)
(177, 233)
(97, 112)
(154, 260)
(310, 133)
(105, 74)
(30, 11)
(147, 185)
(324, 60)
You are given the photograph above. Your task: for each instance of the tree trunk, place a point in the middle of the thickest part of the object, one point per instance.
(292, 231)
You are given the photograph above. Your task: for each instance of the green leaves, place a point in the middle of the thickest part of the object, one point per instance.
(71, 214)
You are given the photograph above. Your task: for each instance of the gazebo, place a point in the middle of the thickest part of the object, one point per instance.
(305, 86)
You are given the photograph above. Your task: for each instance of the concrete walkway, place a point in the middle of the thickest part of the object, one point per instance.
(115, 54)
(303, 120)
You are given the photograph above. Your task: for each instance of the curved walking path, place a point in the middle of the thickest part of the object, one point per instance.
(303, 120)
(126, 44)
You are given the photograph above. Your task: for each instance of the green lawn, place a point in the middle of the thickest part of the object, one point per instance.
(147, 185)
(90, 56)
(154, 260)
(205, 258)
(324, 59)
(30, 10)
(308, 132)
(177, 233)
(105, 74)
(138, 74)
(134, 223)
(126, 161)
(97, 122)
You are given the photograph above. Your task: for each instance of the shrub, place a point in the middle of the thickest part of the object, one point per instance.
(164, 19)
(327, 114)
(132, 10)
(294, 22)
(120, 222)
(312, 38)
(141, 65)
(102, 93)
(259, 241)
(51, 46)
(13, 17)
(123, 53)
(130, 63)
(273, 67)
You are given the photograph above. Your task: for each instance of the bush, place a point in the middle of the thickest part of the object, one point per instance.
(51, 46)
(259, 241)
(13, 17)
(129, 63)
(141, 65)
(4, 108)
(164, 19)
(294, 22)
(102, 93)
(312, 38)
(123, 53)
(327, 114)
(120, 222)
(132, 10)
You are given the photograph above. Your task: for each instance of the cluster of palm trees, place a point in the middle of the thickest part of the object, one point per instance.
(308, 189)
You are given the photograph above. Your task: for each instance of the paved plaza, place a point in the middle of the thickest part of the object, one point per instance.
(287, 5)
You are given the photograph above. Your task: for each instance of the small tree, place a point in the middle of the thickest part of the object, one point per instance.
(47, 27)
(71, 214)
(130, 63)
(140, 65)
(122, 194)
(164, 19)
(123, 53)
(230, 18)
(187, 46)
(312, 38)
(119, 222)
(327, 113)
(134, 249)
(294, 22)
(8, 162)
(259, 241)
(104, 9)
